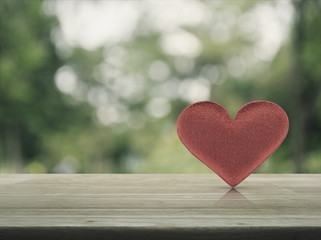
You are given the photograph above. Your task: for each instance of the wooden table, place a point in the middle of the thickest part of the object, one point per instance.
(159, 206)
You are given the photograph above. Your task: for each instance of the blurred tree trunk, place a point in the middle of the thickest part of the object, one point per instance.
(13, 151)
(305, 86)
(299, 114)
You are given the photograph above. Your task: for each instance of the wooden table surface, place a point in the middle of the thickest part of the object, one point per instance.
(159, 206)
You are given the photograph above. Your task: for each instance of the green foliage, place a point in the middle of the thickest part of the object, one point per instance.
(31, 107)
(108, 122)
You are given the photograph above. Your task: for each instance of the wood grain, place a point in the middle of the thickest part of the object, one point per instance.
(158, 206)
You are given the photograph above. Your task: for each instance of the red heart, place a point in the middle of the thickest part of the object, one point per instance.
(232, 148)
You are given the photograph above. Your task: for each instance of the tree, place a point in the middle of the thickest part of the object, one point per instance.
(31, 106)
(306, 80)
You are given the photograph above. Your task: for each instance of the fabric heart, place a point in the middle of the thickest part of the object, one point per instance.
(232, 148)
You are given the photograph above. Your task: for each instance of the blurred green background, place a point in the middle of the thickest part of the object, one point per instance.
(97, 86)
